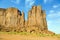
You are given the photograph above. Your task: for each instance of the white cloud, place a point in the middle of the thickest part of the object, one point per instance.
(15, 1)
(54, 14)
(51, 11)
(56, 6)
(29, 3)
(45, 1)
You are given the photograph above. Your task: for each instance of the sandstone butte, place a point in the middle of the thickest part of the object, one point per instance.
(11, 19)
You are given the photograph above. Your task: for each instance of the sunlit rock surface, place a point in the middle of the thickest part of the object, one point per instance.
(11, 19)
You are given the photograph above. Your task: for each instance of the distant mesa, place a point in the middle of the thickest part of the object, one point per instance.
(11, 19)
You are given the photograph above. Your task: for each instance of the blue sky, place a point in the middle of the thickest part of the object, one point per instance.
(52, 8)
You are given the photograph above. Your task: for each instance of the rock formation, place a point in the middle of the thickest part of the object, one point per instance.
(37, 19)
(11, 19)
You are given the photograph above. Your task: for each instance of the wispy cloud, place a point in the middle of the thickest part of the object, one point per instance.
(15, 1)
(46, 1)
(53, 18)
(51, 11)
(56, 6)
(29, 3)
(54, 14)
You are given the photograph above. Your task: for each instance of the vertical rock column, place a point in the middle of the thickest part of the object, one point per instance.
(32, 19)
(2, 17)
(11, 19)
(22, 22)
(33, 16)
(26, 25)
(44, 20)
(39, 18)
(29, 21)
(36, 19)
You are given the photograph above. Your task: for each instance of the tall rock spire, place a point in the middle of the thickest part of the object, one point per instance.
(2, 16)
(22, 21)
(11, 19)
(44, 20)
(37, 19)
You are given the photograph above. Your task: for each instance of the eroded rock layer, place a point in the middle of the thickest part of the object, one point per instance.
(37, 19)
(11, 19)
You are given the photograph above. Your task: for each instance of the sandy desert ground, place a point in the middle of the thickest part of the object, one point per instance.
(26, 37)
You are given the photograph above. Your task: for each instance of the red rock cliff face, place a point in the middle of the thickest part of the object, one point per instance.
(37, 19)
(2, 16)
(11, 19)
